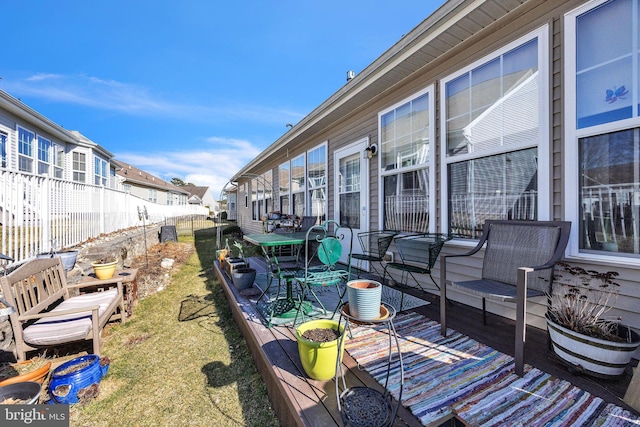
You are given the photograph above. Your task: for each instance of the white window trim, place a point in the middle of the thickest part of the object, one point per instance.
(103, 168)
(6, 157)
(83, 171)
(307, 201)
(34, 149)
(303, 188)
(543, 145)
(261, 182)
(288, 192)
(431, 165)
(571, 137)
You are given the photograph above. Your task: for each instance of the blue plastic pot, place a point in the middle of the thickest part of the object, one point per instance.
(77, 380)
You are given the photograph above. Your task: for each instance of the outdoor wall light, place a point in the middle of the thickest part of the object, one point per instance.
(371, 150)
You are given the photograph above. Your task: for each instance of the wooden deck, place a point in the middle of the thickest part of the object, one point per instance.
(300, 401)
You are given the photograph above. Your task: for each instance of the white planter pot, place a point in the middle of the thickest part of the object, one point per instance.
(597, 357)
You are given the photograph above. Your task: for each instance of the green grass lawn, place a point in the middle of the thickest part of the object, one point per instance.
(180, 360)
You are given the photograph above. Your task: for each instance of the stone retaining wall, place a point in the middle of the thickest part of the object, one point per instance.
(125, 245)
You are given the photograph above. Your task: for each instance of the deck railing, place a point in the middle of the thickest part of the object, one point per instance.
(38, 214)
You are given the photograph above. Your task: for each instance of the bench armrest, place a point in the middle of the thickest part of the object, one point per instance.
(117, 281)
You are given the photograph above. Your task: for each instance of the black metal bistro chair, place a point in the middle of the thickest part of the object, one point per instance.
(374, 246)
(418, 255)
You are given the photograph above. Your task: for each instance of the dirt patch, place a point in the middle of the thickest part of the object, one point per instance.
(152, 276)
(321, 335)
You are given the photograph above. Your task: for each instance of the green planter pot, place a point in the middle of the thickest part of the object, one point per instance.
(319, 358)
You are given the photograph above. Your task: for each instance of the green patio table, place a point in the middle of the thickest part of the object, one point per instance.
(281, 307)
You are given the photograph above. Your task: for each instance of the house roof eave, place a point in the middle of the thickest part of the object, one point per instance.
(31, 116)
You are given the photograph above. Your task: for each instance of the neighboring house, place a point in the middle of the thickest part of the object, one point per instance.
(149, 187)
(199, 195)
(58, 188)
(32, 144)
(524, 109)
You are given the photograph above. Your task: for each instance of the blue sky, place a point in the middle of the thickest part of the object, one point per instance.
(195, 88)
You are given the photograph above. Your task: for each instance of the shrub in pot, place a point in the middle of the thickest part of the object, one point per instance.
(581, 334)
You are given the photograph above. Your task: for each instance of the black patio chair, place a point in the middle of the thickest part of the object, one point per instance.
(418, 254)
(374, 246)
(306, 223)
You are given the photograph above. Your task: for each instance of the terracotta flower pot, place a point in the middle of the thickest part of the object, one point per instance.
(37, 375)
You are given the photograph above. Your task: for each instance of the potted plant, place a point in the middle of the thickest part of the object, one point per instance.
(581, 333)
(232, 260)
(243, 276)
(364, 298)
(105, 267)
(318, 347)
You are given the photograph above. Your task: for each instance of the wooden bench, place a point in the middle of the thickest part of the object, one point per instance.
(514, 250)
(47, 315)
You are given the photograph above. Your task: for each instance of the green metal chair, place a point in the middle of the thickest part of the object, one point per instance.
(374, 246)
(279, 268)
(323, 250)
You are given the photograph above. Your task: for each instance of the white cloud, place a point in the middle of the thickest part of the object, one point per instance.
(212, 168)
(128, 99)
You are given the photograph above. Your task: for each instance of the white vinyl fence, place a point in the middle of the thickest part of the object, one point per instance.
(38, 214)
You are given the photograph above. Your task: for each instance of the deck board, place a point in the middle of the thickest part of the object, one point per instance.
(298, 400)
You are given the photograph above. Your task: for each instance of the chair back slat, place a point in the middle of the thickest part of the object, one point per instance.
(376, 243)
(510, 246)
(35, 285)
(421, 249)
